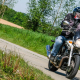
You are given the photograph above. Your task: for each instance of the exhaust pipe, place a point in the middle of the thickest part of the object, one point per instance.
(60, 61)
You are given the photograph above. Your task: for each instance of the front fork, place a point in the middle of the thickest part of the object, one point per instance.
(70, 56)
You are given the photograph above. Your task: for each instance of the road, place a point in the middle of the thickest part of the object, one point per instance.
(34, 59)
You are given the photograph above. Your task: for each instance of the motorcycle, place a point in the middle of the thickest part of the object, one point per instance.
(68, 57)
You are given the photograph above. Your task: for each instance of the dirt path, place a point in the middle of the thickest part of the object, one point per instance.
(36, 60)
(2, 21)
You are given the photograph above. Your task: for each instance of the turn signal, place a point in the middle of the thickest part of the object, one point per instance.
(70, 42)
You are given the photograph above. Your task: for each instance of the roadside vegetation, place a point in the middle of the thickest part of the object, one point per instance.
(44, 19)
(31, 40)
(29, 23)
(12, 67)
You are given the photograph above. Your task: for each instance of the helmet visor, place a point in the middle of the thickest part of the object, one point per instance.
(77, 15)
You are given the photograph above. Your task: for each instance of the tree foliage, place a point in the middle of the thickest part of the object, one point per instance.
(4, 4)
(38, 11)
(16, 17)
(66, 7)
(9, 3)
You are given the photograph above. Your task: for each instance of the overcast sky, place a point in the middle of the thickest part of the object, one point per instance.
(21, 6)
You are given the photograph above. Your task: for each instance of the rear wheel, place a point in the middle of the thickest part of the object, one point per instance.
(72, 70)
(52, 67)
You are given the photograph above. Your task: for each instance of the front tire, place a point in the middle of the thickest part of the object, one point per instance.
(52, 67)
(73, 69)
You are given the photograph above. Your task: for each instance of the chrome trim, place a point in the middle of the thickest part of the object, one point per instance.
(70, 56)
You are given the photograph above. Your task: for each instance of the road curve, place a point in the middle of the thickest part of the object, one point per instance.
(34, 59)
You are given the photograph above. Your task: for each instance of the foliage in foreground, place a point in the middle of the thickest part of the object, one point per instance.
(13, 67)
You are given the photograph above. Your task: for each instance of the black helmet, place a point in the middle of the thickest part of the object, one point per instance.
(76, 13)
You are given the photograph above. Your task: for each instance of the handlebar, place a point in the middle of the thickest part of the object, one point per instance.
(70, 30)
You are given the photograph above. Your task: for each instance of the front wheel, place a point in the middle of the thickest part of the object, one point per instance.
(52, 67)
(73, 69)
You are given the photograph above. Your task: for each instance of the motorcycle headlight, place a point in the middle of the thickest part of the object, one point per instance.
(77, 43)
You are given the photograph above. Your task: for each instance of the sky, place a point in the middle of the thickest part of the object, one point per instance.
(21, 6)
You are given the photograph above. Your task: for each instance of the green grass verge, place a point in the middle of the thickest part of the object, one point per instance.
(31, 40)
(12, 67)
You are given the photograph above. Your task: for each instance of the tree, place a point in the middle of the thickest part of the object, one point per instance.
(9, 3)
(4, 4)
(38, 11)
(45, 11)
(66, 7)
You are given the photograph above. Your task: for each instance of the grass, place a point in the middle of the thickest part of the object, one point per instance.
(13, 67)
(31, 40)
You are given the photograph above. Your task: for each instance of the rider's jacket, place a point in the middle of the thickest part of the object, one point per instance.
(73, 23)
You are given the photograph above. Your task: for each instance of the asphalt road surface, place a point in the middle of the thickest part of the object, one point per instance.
(34, 59)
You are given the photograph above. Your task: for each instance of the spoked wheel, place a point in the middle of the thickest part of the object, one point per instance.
(72, 70)
(52, 67)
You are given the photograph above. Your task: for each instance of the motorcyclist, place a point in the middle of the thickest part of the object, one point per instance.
(74, 20)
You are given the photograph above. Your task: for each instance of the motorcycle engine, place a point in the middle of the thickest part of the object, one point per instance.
(64, 51)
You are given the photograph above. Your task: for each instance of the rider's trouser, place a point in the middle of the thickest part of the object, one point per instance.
(58, 42)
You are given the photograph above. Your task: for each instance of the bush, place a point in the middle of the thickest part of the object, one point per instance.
(12, 67)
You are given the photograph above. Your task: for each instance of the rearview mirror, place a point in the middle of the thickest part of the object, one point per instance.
(65, 23)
